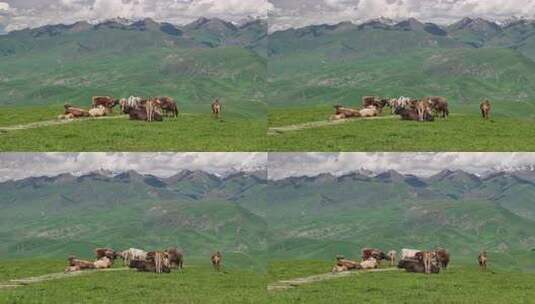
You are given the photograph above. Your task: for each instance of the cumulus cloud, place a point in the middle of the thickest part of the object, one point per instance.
(14, 166)
(283, 165)
(34, 13)
(298, 13)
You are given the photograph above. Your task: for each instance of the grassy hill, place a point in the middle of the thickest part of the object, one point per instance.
(326, 65)
(258, 220)
(194, 63)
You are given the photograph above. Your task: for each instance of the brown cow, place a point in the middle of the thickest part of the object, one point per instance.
(412, 114)
(105, 252)
(77, 265)
(423, 108)
(343, 264)
(482, 259)
(443, 257)
(377, 254)
(217, 108)
(368, 101)
(439, 105)
(105, 101)
(413, 265)
(392, 257)
(343, 113)
(428, 259)
(216, 259)
(176, 258)
(152, 107)
(168, 106)
(485, 109)
(75, 112)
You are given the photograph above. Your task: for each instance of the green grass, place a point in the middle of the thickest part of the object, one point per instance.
(198, 283)
(462, 132)
(190, 132)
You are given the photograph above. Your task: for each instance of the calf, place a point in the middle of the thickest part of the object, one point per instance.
(216, 259)
(485, 109)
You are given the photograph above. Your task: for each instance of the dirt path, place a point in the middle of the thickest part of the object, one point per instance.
(293, 283)
(46, 123)
(51, 277)
(322, 123)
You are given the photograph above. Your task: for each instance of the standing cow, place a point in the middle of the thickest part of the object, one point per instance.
(176, 258)
(168, 106)
(482, 259)
(377, 254)
(439, 105)
(485, 109)
(392, 257)
(216, 260)
(443, 257)
(217, 108)
(105, 101)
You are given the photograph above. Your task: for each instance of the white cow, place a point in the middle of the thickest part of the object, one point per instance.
(370, 263)
(98, 111)
(132, 102)
(133, 254)
(409, 253)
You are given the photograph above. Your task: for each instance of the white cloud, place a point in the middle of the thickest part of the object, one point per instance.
(23, 165)
(295, 13)
(35, 13)
(4, 6)
(282, 165)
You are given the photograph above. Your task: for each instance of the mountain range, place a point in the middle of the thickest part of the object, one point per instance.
(466, 61)
(193, 63)
(296, 217)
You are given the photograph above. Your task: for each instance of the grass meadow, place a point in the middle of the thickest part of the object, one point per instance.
(198, 283)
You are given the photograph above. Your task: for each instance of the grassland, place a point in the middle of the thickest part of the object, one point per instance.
(189, 132)
(462, 132)
(198, 283)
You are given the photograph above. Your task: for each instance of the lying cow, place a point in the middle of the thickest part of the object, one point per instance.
(98, 111)
(103, 263)
(412, 114)
(370, 111)
(370, 263)
(78, 265)
(413, 265)
(343, 264)
(141, 114)
(75, 112)
(176, 258)
(343, 113)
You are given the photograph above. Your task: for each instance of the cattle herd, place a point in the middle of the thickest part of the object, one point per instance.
(425, 109)
(152, 261)
(137, 108)
(412, 260)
